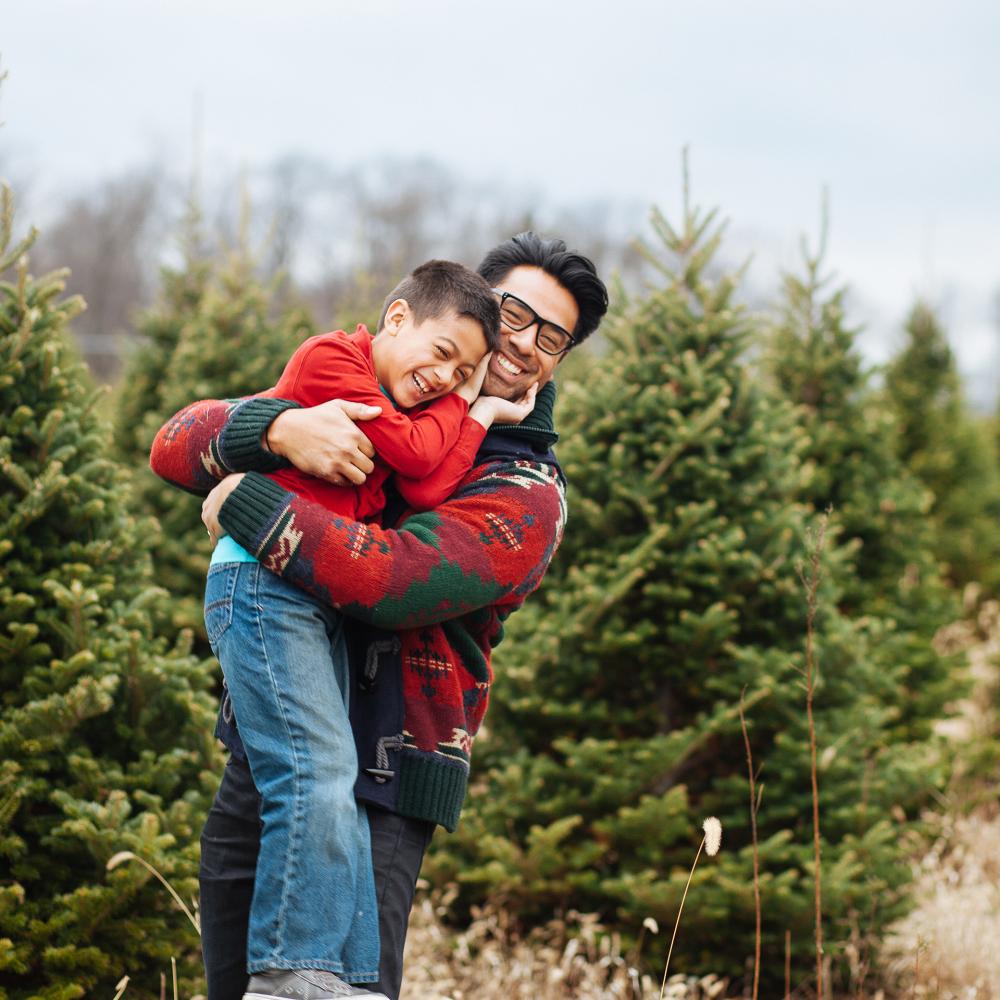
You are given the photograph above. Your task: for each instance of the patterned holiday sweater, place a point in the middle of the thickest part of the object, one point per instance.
(442, 581)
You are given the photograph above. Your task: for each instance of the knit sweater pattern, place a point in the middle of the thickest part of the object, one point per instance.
(444, 580)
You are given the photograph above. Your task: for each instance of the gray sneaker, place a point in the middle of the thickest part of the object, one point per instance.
(304, 984)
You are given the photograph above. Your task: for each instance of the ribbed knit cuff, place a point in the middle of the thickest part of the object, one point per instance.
(431, 789)
(252, 509)
(239, 443)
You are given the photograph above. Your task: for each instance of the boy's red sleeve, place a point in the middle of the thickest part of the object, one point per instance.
(412, 444)
(432, 490)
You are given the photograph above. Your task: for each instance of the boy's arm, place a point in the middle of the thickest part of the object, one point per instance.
(432, 490)
(413, 444)
(491, 542)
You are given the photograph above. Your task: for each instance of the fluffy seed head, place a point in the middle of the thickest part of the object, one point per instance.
(713, 836)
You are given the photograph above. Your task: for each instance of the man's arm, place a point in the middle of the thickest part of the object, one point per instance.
(209, 439)
(490, 543)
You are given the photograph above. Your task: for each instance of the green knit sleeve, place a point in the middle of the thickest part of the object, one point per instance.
(240, 441)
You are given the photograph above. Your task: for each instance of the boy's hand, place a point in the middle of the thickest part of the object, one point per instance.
(489, 410)
(469, 390)
(323, 440)
(212, 504)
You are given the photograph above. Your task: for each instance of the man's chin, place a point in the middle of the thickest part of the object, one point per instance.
(495, 386)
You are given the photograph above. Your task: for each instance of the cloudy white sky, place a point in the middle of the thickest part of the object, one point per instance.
(893, 104)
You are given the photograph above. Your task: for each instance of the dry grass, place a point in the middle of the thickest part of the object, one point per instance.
(575, 959)
(949, 947)
(955, 930)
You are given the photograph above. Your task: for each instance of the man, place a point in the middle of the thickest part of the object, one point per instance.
(431, 595)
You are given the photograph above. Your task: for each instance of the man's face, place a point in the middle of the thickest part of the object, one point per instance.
(519, 363)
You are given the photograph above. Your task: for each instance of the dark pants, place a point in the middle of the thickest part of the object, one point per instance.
(229, 845)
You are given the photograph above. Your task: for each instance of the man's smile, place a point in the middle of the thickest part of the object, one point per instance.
(507, 366)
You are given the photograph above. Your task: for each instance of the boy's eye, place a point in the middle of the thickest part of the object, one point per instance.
(443, 352)
(464, 373)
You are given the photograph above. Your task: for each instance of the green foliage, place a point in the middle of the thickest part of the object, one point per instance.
(211, 335)
(615, 726)
(879, 508)
(105, 736)
(951, 453)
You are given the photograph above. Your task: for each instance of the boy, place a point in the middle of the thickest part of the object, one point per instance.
(282, 650)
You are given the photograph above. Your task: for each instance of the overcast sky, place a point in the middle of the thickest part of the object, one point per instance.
(894, 105)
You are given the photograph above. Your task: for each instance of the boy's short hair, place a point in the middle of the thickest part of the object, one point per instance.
(440, 286)
(571, 269)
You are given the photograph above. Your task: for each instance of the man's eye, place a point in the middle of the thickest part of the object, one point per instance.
(514, 316)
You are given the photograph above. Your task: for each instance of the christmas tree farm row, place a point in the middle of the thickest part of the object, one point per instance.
(700, 443)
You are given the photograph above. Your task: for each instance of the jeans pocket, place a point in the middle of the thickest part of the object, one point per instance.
(219, 600)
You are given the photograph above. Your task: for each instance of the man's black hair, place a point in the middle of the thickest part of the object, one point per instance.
(440, 286)
(572, 270)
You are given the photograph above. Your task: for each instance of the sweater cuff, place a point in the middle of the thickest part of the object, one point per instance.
(239, 442)
(251, 512)
(431, 789)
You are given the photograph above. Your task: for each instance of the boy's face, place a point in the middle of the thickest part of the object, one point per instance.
(418, 362)
(520, 363)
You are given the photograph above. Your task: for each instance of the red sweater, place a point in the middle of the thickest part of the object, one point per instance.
(430, 449)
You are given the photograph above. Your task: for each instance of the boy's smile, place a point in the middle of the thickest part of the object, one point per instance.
(417, 362)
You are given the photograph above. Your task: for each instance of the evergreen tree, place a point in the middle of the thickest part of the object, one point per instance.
(615, 730)
(212, 333)
(879, 507)
(948, 451)
(106, 729)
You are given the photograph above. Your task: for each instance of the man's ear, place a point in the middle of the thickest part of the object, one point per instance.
(395, 316)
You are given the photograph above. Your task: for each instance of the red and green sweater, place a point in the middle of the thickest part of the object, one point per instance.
(429, 448)
(443, 581)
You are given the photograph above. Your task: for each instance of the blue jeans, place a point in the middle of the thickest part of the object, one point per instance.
(285, 663)
(229, 845)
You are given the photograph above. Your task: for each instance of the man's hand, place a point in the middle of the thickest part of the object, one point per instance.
(323, 441)
(489, 410)
(212, 504)
(473, 385)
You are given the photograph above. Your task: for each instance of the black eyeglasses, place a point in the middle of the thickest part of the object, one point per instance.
(518, 315)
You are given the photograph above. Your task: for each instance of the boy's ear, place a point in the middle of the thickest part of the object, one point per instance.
(395, 316)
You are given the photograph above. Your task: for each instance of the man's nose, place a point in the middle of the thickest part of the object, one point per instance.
(523, 341)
